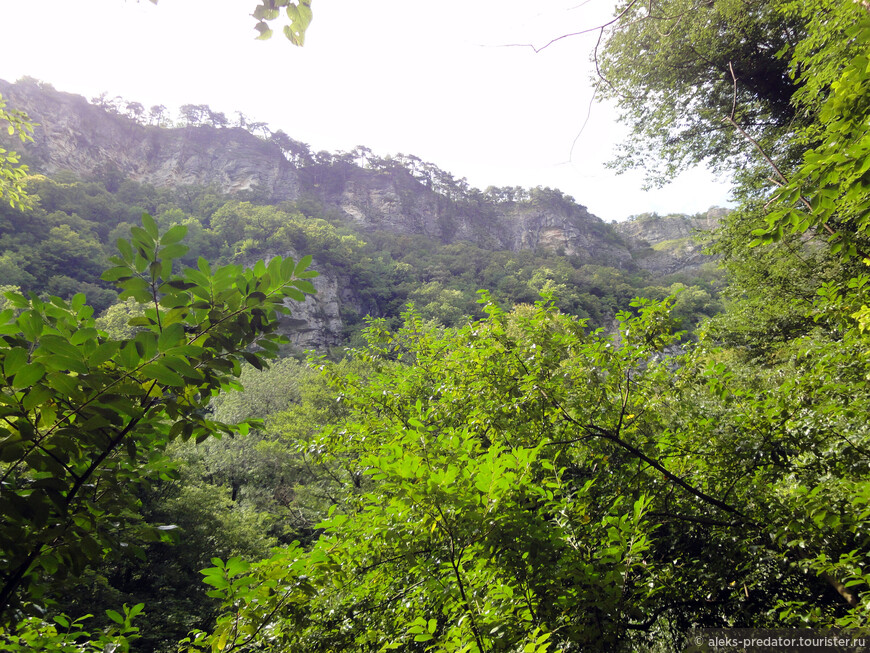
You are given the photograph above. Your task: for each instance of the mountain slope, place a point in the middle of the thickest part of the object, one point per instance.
(77, 136)
(383, 231)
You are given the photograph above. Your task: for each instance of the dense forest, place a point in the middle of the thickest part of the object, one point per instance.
(506, 449)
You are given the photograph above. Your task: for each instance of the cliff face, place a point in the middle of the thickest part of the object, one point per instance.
(77, 136)
(315, 323)
(654, 228)
(397, 202)
(672, 243)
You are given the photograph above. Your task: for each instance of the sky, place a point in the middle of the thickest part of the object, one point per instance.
(440, 80)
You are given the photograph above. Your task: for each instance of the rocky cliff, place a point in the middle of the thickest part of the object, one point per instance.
(74, 135)
(671, 243)
(315, 323)
(78, 136)
(393, 200)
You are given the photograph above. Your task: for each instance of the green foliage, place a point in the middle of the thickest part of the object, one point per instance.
(65, 635)
(443, 280)
(829, 193)
(803, 281)
(52, 248)
(475, 472)
(668, 66)
(12, 173)
(260, 473)
(470, 478)
(250, 230)
(86, 417)
(266, 392)
(298, 14)
(519, 476)
(115, 320)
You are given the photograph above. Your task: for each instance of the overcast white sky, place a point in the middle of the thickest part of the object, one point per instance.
(414, 76)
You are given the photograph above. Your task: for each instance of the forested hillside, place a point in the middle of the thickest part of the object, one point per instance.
(515, 427)
(382, 232)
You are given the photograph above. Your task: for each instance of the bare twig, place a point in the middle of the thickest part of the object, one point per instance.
(579, 33)
(583, 128)
(734, 100)
(582, 4)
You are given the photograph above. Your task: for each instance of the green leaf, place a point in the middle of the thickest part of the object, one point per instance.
(60, 362)
(116, 273)
(170, 336)
(28, 375)
(137, 288)
(305, 286)
(287, 267)
(31, 324)
(15, 359)
(174, 301)
(253, 359)
(125, 249)
(261, 12)
(158, 371)
(181, 366)
(17, 300)
(59, 346)
(63, 383)
(203, 266)
(36, 396)
(176, 250)
(174, 235)
(144, 243)
(150, 226)
(263, 29)
(114, 616)
(10, 453)
(83, 335)
(303, 264)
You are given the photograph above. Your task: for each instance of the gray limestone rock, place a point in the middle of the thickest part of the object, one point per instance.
(82, 138)
(672, 243)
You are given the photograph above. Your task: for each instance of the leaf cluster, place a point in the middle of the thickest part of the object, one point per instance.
(86, 417)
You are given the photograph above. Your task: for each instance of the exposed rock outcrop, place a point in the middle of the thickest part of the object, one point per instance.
(397, 202)
(671, 243)
(654, 228)
(315, 323)
(78, 136)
